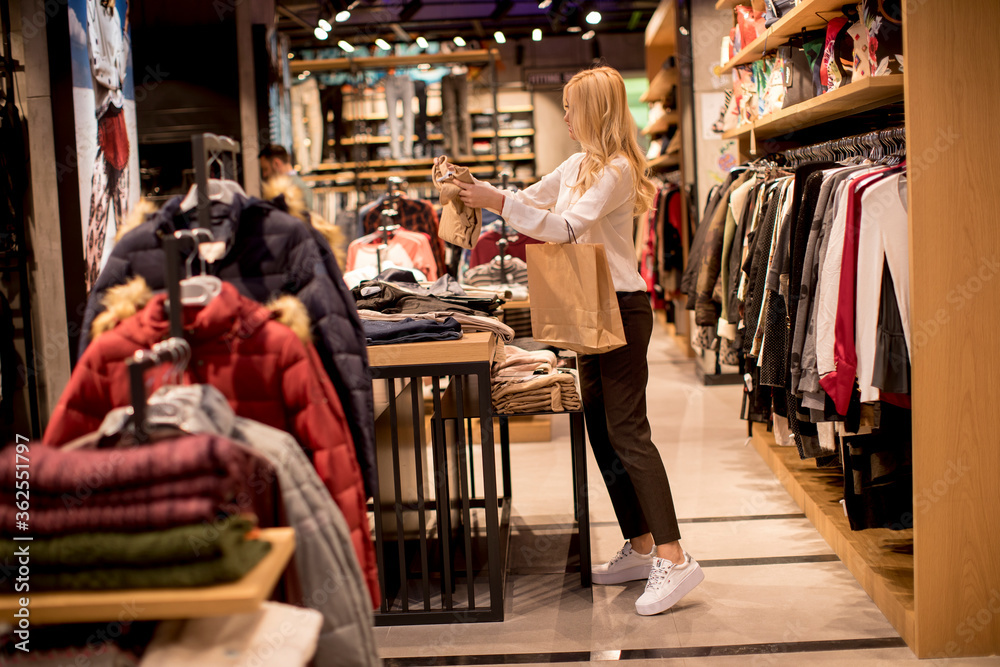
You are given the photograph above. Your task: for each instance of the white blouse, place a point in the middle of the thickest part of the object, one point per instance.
(603, 214)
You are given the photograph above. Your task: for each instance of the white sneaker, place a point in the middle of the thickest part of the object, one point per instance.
(667, 584)
(627, 565)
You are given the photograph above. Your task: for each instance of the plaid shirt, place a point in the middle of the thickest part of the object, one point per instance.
(416, 215)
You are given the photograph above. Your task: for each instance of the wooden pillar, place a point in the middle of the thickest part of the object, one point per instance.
(953, 141)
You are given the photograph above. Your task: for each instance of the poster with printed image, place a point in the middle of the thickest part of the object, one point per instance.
(104, 112)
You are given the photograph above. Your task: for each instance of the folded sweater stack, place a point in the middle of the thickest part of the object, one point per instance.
(526, 382)
(140, 517)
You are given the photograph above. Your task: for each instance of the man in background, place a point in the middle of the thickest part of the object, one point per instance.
(274, 161)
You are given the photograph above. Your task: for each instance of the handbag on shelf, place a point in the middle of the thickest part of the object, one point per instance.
(573, 300)
(775, 9)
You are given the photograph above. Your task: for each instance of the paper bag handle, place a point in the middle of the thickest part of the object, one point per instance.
(572, 234)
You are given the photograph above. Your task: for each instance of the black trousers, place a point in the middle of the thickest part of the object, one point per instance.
(614, 404)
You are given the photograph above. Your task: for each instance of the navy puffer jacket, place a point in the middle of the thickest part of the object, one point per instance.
(268, 253)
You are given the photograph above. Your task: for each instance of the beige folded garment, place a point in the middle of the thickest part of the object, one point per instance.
(460, 224)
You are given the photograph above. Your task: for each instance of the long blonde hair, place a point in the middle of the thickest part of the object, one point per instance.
(605, 128)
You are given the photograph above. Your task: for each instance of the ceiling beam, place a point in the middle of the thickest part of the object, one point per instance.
(287, 13)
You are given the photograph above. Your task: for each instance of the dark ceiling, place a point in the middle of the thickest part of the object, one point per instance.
(403, 20)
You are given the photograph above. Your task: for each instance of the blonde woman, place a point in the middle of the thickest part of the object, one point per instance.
(598, 193)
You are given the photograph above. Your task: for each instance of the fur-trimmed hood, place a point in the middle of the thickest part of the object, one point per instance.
(283, 193)
(123, 301)
(279, 191)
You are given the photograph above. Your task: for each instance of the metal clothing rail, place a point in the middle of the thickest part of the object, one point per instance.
(205, 149)
(173, 350)
(880, 144)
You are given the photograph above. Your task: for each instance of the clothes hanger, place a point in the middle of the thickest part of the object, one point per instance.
(177, 352)
(218, 190)
(198, 290)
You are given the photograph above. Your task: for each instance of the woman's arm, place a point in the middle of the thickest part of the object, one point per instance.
(542, 194)
(608, 192)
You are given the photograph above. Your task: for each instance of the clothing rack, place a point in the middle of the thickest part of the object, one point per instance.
(880, 144)
(207, 148)
(503, 242)
(175, 350)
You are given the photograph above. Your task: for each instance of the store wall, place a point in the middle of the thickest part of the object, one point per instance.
(715, 157)
(552, 142)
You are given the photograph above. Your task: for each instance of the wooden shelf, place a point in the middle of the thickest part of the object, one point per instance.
(661, 84)
(808, 15)
(388, 62)
(668, 160)
(880, 559)
(488, 134)
(478, 134)
(852, 98)
(341, 181)
(662, 27)
(416, 162)
(153, 604)
(471, 347)
(663, 124)
(524, 108)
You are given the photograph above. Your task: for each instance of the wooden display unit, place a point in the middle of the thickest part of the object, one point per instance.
(807, 15)
(155, 604)
(944, 599)
(852, 98)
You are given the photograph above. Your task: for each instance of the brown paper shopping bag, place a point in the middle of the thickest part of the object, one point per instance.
(573, 301)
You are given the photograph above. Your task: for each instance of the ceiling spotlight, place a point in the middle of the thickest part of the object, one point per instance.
(536, 35)
(345, 46)
(499, 37)
(594, 17)
(342, 16)
(320, 33)
(544, 4)
(459, 41)
(325, 25)
(382, 44)
(422, 42)
(588, 35)
(574, 28)
(291, 55)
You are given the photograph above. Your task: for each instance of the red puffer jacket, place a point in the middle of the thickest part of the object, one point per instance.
(262, 366)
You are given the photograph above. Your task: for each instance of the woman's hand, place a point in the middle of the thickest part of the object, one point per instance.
(480, 195)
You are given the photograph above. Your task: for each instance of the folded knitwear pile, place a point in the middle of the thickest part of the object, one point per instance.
(127, 518)
(526, 382)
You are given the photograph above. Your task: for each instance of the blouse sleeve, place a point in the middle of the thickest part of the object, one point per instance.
(542, 194)
(611, 189)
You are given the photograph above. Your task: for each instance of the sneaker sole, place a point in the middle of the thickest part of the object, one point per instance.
(666, 603)
(636, 573)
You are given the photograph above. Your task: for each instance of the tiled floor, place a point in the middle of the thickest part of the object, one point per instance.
(774, 594)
